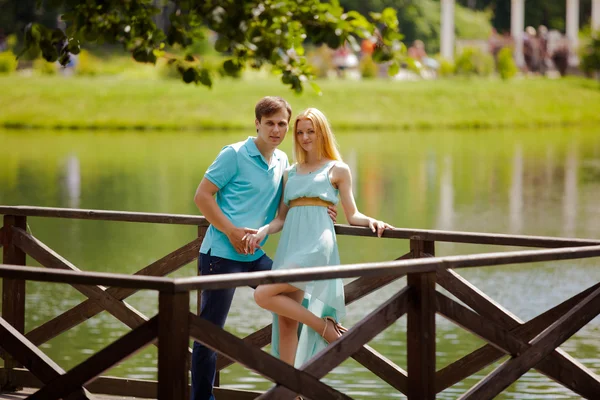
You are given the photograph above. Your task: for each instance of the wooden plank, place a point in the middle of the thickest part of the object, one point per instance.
(485, 328)
(89, 308)
(173, 338)
(50, 259)
(13, 290)
(31, 357)
(352, 341)
(422, 265)
(420, 333)
(85, 278)
(397, 233)
(488, 354)
(305, 274)
(385, 369)
(363, 286)
(82, 374)
(476, 299)
(137, 388)
(104, 215)
(469, 237)
(26, 392)
(540, 348)
(260, 338)
(559, 366)
(259, 361)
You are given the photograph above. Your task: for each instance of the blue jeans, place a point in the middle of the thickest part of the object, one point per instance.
(215, 307)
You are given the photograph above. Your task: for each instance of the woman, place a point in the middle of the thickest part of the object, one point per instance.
(308, 240)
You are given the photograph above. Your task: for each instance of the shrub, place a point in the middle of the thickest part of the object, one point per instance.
(368, 67)
(321, 59)
(44, 67)
(590, 55)
(87, 64)
(8, 62)
(446, 67)
(11, 42)
(505, 64)
(473, 61)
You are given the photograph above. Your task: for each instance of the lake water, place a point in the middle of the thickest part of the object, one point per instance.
(534, 182)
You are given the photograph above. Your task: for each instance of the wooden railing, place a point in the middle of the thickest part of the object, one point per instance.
(532, 344)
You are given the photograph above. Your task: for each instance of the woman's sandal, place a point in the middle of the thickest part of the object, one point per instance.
(338, 328)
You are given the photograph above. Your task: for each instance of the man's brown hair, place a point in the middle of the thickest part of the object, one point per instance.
(269, 105)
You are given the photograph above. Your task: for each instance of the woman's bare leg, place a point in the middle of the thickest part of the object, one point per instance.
(288, 332)
(272, 297)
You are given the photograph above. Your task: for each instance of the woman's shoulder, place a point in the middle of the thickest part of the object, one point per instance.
(339, 165)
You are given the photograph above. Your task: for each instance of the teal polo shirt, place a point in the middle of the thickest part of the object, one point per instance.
(249, 192)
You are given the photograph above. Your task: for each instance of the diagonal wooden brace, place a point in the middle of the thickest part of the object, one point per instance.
(89, 308)
(257, 360)
(560, 367)
(488, 354)
(351, 342)
(22, 350)
(122, 348)
(540, 348)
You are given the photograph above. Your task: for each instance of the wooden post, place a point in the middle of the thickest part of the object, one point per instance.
(13, 294)
(201, 234)
(421, 327)
(173, 339)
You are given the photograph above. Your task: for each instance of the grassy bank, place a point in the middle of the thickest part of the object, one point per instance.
(118, 103)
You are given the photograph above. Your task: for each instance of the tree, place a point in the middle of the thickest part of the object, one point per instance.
(251, 32)
(420, 19)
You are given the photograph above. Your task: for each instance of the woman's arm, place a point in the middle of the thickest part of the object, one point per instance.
(274, 226)
(341, 177)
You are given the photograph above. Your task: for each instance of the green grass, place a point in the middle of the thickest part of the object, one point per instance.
(127, 103)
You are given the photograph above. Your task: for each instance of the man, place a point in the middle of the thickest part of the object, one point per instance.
(247, 180)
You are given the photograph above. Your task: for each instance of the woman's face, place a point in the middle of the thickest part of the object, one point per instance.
(306, 135)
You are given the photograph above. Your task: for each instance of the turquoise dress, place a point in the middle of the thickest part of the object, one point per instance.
(308, 240)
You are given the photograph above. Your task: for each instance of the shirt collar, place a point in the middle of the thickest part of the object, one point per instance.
(254, 152)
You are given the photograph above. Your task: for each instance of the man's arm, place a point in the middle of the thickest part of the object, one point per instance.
(206, 203)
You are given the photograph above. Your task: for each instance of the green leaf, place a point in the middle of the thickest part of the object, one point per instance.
(393, 69)
(190, 75)
(316, 88)
(231, 67)
(205, 77)
(222, 44)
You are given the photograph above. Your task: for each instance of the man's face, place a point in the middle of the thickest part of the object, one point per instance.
(272, 129)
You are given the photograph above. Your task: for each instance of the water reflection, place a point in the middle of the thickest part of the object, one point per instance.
(488, 181)
(570, 194)
(516, 192)
(446, 206)
(71, 182)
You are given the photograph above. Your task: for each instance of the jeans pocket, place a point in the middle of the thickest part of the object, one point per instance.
(215, 264)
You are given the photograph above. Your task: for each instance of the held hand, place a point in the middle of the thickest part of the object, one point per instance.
(379, 226)
(255, 239)
(238, 239)
(332, 211)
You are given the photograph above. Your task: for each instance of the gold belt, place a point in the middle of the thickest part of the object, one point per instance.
(309, 201)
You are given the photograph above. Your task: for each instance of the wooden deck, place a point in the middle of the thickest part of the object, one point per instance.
(26, 392)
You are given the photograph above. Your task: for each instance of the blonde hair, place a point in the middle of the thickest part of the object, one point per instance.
(327, 145)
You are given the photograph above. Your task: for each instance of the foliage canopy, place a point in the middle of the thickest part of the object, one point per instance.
(252, 32)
